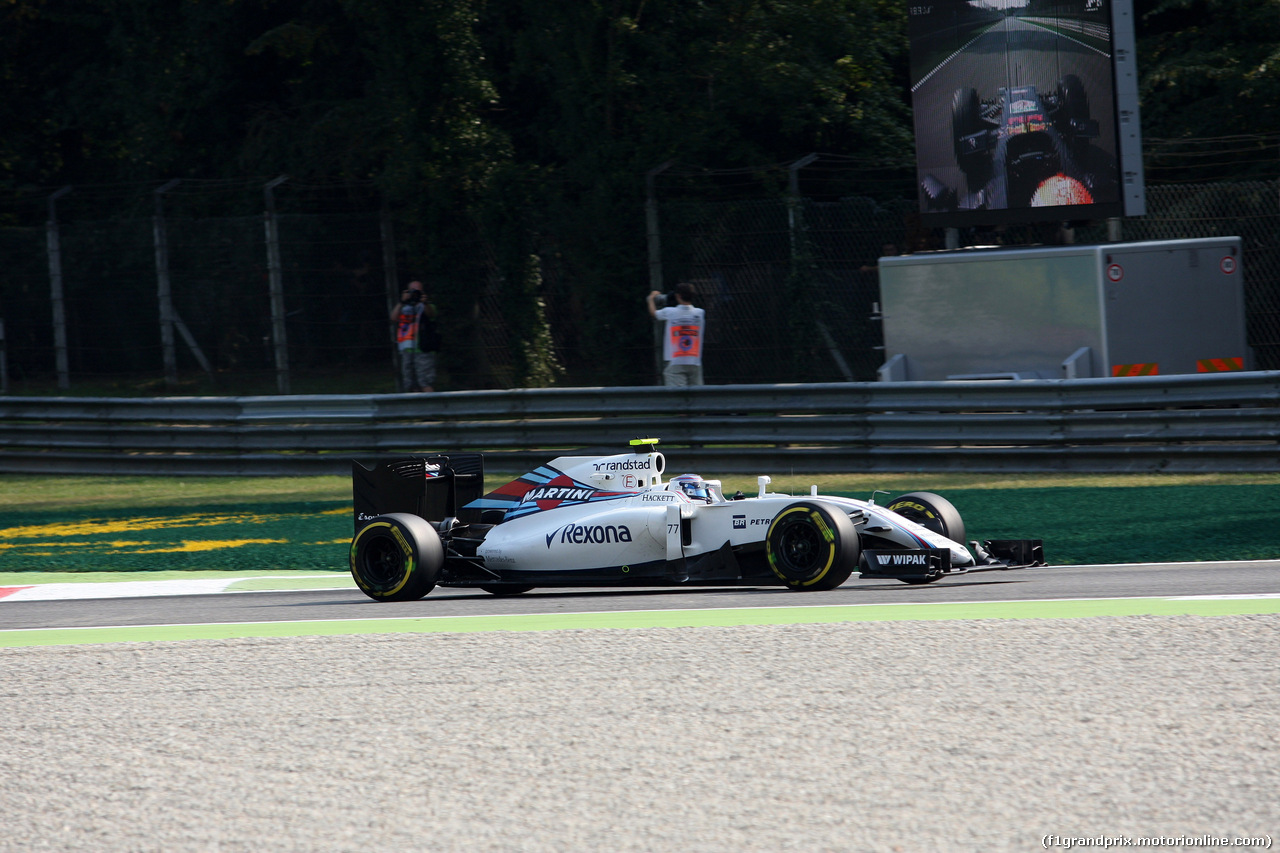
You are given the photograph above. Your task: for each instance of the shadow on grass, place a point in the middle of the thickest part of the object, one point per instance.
(259, 536)
(1134, 524)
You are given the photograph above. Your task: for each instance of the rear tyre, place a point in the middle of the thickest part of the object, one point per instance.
(932, 511)
(504, 588)
(396, 557)
(812, 546)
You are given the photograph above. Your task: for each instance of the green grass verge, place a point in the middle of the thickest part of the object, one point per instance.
(614, 620)
(119, 524)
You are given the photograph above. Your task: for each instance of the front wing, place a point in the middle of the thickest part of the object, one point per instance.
(926, 564)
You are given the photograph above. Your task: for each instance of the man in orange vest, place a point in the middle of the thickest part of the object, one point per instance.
(416, 338)
(682, 337)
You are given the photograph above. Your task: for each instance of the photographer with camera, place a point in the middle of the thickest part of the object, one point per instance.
(682, 336)
(417, 338)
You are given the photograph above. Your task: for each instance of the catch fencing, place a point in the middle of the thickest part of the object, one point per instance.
(789, 284)
(1220, 422)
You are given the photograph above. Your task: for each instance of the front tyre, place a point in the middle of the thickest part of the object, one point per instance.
(1073, 100)
(974, 159)
(812, 546)
(931, 511)
(396, 557)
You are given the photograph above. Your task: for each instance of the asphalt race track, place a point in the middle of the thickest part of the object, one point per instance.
(1255, 578)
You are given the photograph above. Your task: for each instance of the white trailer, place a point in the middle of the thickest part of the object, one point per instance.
(1116, 309)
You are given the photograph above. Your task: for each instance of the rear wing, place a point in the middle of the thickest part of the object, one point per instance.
(432, 487)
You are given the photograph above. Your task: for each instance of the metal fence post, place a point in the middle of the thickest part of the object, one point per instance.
(392, 277)
(55, 290)
(4, 361)
(277, 285)
(793, 202)
(655, 251)
(795, 226)
(164, 291)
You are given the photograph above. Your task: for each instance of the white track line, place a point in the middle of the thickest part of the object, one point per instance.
(140, 589)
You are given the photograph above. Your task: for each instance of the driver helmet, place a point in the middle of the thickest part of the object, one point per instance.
(693, 486)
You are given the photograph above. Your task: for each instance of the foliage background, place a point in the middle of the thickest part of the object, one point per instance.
(535, 123)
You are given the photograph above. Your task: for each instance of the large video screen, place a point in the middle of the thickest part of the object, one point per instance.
(1015, 111)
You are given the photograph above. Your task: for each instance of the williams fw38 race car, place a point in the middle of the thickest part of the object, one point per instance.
(585, 521)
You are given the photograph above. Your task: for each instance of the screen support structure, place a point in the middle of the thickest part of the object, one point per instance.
(1128, 121)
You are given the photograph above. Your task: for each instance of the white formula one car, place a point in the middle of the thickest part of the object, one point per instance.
(583, 521)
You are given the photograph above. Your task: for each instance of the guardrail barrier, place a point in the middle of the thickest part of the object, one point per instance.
(1212, 422)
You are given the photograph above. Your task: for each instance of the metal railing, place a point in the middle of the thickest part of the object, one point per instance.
(1222, 422)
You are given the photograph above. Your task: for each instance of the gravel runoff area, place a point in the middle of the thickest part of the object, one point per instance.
(902, 736)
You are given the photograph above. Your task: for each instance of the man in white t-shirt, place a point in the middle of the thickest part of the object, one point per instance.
(682, 336)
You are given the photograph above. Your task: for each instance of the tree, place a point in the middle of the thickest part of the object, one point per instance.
(1210, 69)
(594, 94)
(536, 119)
